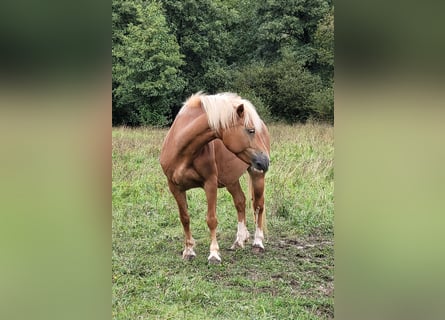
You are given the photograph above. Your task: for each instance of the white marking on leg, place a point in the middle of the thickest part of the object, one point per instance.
(257, 210)
(214, 253)
(189, 252)
(241, 236)
(259, 237)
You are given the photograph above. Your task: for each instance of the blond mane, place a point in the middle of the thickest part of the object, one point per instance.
(221, 110)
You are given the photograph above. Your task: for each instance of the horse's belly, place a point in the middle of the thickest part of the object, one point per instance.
(230, 171)
(230, 167)
(186, 178)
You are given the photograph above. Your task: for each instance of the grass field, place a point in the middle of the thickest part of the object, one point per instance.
(292, 279)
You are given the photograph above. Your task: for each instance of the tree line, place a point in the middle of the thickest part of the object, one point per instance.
(279, 54)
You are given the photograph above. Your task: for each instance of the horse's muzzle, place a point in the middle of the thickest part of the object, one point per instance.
(260, 162)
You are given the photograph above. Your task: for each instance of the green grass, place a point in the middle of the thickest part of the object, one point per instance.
(292, 279)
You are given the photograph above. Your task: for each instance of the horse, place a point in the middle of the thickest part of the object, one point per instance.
(212, 142)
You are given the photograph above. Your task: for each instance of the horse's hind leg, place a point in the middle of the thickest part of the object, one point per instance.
(210, 188)
(181, 200)
(239, 200)
(258, 207)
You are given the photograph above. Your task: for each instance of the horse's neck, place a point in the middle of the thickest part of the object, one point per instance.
(192, 135)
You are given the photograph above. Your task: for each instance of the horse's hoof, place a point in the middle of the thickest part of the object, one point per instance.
(257, 249)
(189, 257)
(214, 259)
(237, 245)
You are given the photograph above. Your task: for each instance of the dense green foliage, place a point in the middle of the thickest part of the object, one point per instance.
(146, 59)
(277, 53)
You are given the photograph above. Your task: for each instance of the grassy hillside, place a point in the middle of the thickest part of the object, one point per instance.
(292, 279)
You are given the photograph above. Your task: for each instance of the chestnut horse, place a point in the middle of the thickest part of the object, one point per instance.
(212, 142)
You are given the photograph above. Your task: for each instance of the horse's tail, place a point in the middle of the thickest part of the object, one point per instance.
(251, 197)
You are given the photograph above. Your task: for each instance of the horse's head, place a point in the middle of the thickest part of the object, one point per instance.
(249, 140)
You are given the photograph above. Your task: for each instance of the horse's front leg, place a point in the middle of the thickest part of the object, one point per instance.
(258, 207)
(239, 200)
(211, 190)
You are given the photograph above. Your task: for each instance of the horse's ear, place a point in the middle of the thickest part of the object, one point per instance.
(240, 110)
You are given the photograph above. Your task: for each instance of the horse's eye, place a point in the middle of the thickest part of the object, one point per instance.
(251, 131)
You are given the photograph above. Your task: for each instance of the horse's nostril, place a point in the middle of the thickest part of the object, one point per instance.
(266, 165)
(261, 162)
